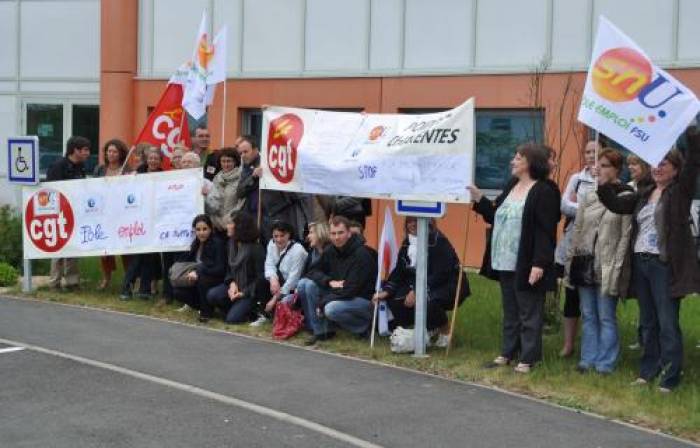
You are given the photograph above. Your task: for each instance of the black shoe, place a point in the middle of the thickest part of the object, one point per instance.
(319, 337)
(583, 370)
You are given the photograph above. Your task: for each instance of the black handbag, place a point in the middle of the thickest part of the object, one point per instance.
(582, 271)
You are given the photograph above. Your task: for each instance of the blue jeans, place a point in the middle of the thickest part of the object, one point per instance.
(354, 315)
(600, 344)
(658, 314)
(309, 293)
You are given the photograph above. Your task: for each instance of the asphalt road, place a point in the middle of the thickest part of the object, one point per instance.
(90, 378)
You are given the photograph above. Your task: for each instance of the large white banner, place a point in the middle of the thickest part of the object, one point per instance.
(112, 215)
(426, 157)
(631, 100)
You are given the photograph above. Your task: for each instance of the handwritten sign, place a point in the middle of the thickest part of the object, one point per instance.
(112, 215)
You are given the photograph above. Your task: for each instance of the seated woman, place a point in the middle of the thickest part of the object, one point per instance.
(244, 285)
(207, 251)
(399, 290)
(284, 265)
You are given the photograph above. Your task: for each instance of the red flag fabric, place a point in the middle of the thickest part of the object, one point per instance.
(165, 127)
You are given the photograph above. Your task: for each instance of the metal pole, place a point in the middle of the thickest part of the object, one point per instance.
(26, 263)
(421, 289)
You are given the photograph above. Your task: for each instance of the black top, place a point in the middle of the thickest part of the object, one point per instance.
(248, 186)
(213, 259)
(64, 169)
(351, 263)
(538, 238)
(443, 266)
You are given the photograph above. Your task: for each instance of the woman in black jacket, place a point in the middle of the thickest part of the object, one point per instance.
(207, 251)
(244, 286)
(665, 267)
(520, 253)
(443, 266)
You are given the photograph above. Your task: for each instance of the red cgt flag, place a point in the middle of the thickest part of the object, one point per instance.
(165, 127)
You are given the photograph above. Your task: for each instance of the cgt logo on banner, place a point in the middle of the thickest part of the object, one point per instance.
(631, 100)
(49, 220)
(283, 139)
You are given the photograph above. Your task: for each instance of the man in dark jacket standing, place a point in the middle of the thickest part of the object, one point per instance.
(345, 277)
(67, 168)
(209, 158)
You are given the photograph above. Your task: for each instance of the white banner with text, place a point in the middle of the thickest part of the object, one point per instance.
(112, 215)
(427, 157)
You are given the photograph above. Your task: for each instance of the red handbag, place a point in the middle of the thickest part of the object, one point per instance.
(288, 320)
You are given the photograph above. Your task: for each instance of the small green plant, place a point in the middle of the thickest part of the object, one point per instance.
(8, 275)
(11, 242)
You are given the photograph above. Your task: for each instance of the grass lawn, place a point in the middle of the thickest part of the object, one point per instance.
(477, 340)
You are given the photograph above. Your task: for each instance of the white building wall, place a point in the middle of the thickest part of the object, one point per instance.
(297, 38)
(50, 53)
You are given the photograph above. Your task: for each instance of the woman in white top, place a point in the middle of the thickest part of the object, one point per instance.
(284, 265)
(579, 185)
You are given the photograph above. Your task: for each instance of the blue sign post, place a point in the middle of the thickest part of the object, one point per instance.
(23, 169)
(423, 211)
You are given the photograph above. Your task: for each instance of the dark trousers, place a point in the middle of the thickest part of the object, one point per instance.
(141, 266)
(572, 303)
(167, 261)
(405, 317)
(658, 314)
(523, 313)
(237, 312)
(195, 295)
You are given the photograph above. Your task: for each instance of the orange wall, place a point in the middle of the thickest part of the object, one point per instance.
(389, 95)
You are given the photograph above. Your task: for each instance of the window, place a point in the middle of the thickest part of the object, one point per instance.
(86, 123)
(46, 121)
(55, 122)
(251, 120)
(498, 133)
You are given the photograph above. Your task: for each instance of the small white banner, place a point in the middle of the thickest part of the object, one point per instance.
(631, 100)
(112, 215)
(426, 157)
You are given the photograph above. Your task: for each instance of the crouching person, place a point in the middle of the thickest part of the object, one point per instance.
(208, 252)
(245, 283)
(343, 283)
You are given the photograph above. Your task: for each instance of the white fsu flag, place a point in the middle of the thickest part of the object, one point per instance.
(631, 100)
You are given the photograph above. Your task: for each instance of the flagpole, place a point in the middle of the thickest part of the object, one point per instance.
(182, 123)
(460, 273)
(223, 117)
(376, 303)
(596, 159)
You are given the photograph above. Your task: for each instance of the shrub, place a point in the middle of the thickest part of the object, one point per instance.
(8, 275)
(11, 237)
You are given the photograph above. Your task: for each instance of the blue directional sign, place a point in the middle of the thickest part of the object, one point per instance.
(23, 160)
(421, 209)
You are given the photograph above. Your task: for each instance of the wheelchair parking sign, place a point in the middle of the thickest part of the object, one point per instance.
(23, 160)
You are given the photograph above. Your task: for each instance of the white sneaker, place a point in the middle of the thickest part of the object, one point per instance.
(442, 341)
(259, 322)
(183, 309)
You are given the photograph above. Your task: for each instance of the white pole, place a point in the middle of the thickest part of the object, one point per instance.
(26, 263)
(223, 117)
(421, 289)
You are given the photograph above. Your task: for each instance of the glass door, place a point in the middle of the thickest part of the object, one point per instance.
(46, 121)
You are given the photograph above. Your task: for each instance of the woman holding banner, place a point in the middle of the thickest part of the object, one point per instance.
(579, 185)
(521, 251)
(114, 154)
(664, 262)
(221, 200)
(598, 267)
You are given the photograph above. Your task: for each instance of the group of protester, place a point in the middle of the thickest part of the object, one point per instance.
(254, 249)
